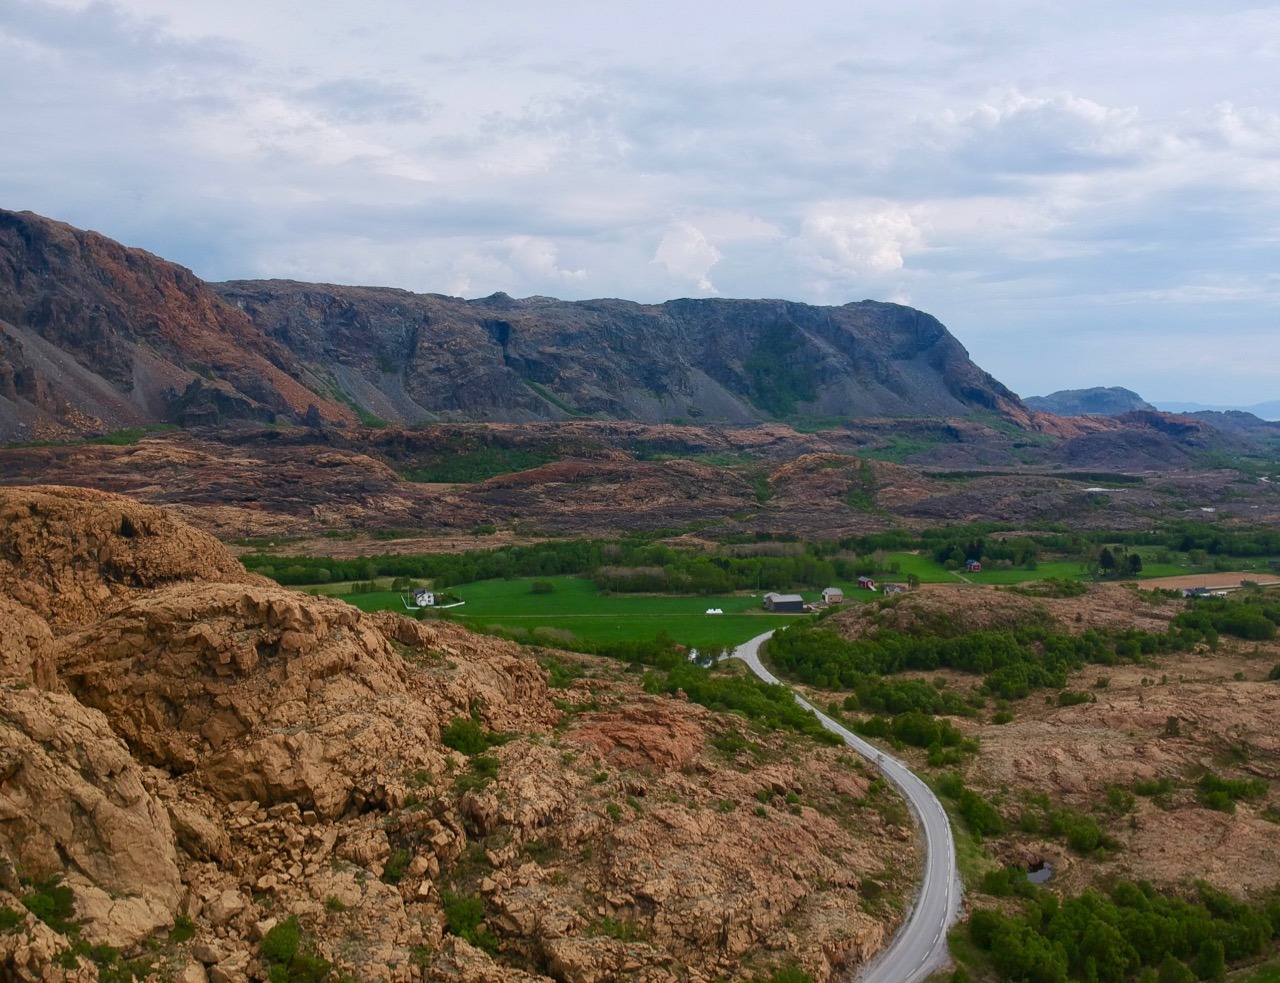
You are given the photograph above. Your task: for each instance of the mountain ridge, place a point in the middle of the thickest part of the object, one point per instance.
(96, 336)
(716, 360)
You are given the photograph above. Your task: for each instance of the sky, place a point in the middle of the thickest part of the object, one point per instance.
(1085, 194)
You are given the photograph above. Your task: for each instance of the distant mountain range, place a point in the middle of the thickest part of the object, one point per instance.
(95, 336)
(1269, 410)
(1115, 401)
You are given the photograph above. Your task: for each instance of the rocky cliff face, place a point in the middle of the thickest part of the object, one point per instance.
(192, 756)
(95, 336)
(409, 357)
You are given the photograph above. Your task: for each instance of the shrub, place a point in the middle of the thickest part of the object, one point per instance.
(561, 674)
(1154, 787)
(287, 959)
(484, 769)
(281, 943)
(53, 903)
(787, 974)
(184, 930)
(469, 736)
(1222, 794)
(393, 871)
(463, 914)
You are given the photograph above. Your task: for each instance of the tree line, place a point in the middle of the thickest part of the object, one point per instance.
(631, 563)
(1130, 932)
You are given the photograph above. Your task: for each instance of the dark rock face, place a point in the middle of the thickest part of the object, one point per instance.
(412, 357)
(1098, 401)
(95, 336)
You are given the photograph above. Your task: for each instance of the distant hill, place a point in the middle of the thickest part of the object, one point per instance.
(1098, 401)
(1265, 411)
(95, 336)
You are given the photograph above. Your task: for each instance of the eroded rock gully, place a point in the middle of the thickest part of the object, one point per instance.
(184, 744)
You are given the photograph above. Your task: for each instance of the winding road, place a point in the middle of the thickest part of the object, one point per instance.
(920, 947)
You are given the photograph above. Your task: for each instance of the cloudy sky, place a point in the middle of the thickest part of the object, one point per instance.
(1085, 193)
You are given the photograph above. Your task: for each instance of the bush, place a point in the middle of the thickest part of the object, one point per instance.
(288, 961)
(982, 818)
(1154, 787)
(463, 914)
(281, 943)
(542, 587)
(984, 925)
(787, 974)
(54, 904)
(184, 930)
(470, 737)
(1222, 794)
(561, 674)
(395, 867)
(1007, 882)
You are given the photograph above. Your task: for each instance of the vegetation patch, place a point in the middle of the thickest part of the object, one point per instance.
(1129, 930)
(479, 464)
(470, 737)
(779, 379)
(288, 958)
(54, 904)
(464, 914)
(1222, 794)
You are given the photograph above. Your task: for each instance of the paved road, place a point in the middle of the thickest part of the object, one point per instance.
(920, 947)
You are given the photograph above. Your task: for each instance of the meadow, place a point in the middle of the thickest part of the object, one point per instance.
(574, 607)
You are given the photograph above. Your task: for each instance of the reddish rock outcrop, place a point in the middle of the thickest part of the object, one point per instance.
(181, 739)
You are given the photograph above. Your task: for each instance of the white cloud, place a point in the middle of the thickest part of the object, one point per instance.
(539, 258)
(856, 241)
(687, 255)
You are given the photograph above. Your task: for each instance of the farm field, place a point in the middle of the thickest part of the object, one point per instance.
(575, 606)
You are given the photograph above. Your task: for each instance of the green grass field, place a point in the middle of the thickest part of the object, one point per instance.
(577, 607)
(931, 572)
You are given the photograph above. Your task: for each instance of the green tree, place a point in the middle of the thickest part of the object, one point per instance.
(1210, 962)
(1106, 561)
(1175, 971)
